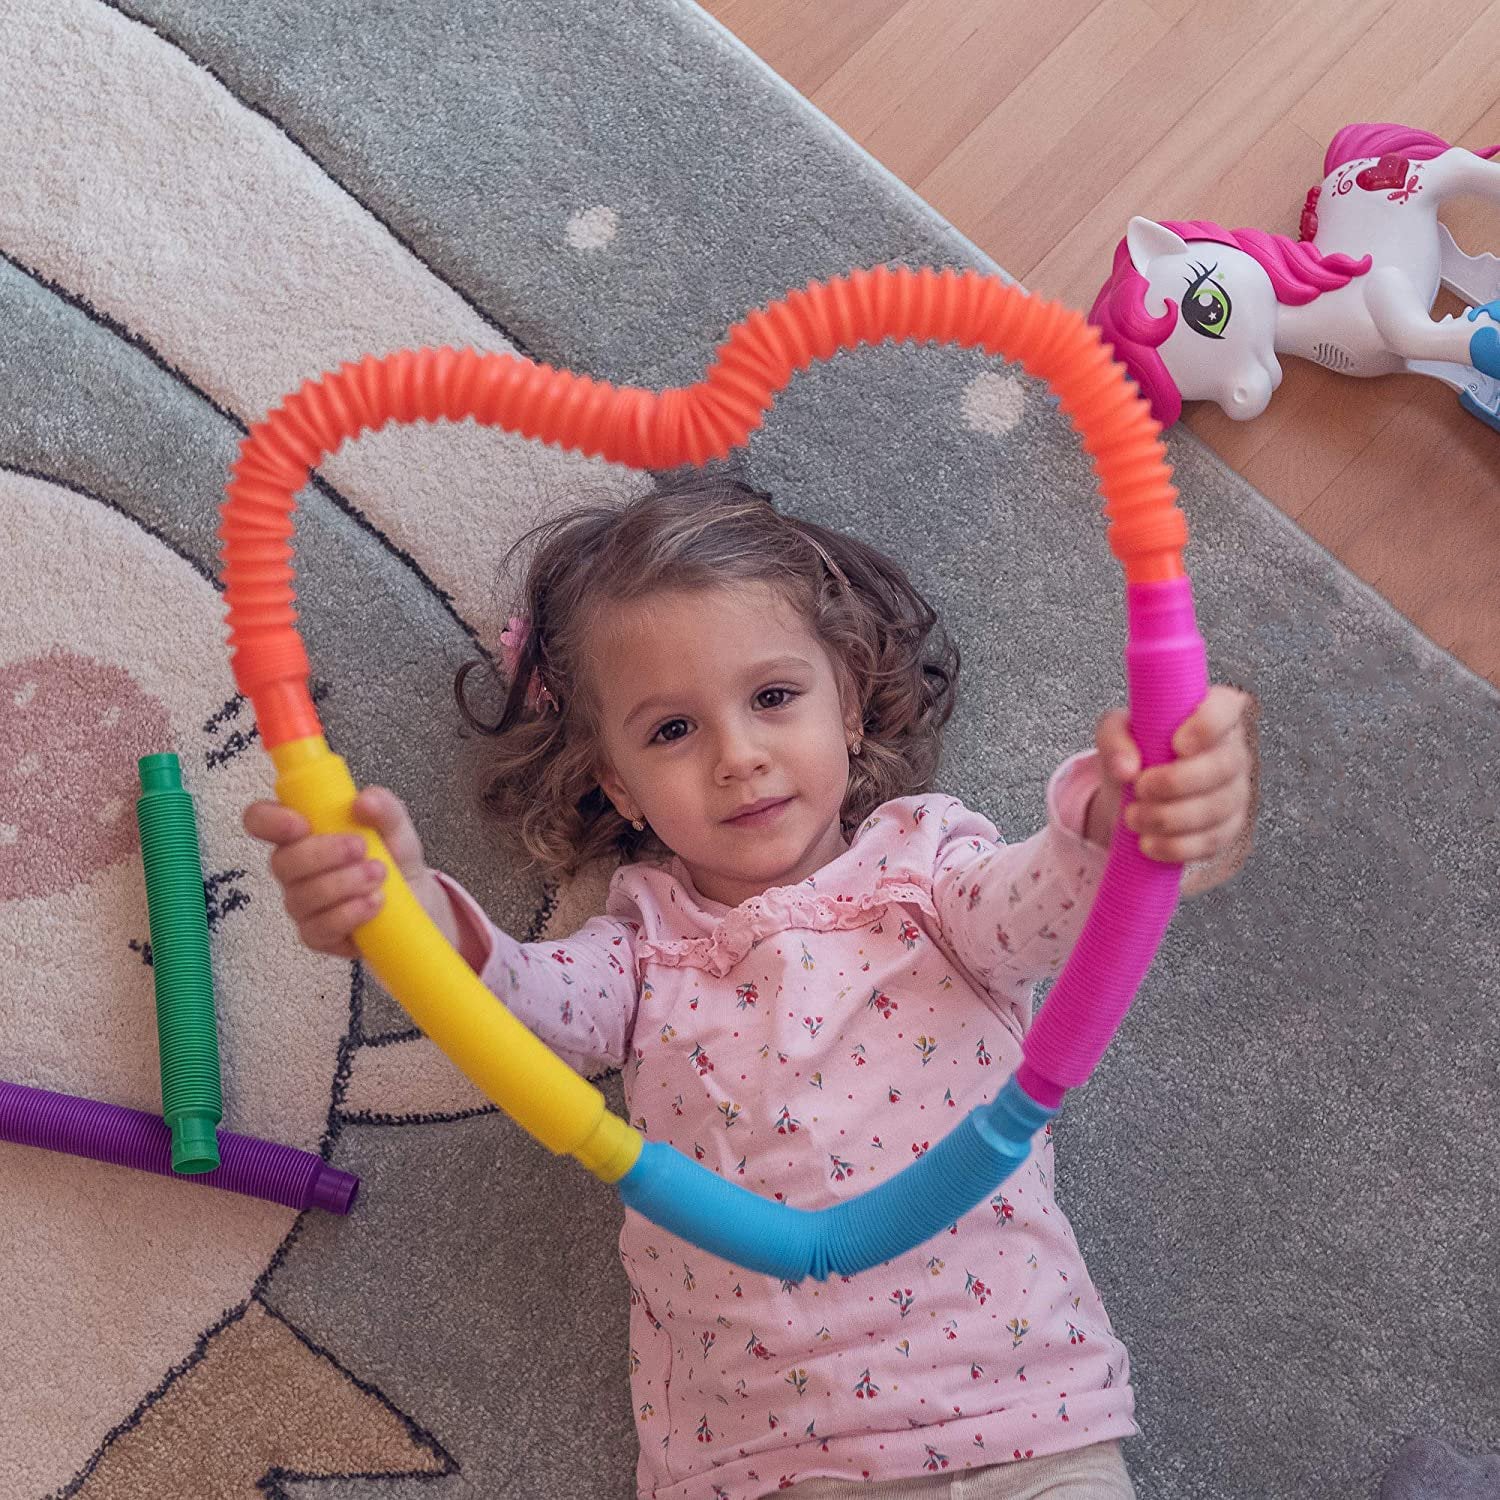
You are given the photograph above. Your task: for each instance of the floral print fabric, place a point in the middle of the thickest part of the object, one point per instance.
(807, 1044)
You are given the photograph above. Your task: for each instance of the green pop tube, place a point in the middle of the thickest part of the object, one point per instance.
(186, 1030)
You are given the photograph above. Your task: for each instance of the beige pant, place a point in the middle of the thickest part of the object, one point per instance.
(1093, 1473)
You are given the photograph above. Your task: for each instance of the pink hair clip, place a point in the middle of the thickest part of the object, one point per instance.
(512, 644)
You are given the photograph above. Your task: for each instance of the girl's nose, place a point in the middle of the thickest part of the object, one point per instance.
(740, 755)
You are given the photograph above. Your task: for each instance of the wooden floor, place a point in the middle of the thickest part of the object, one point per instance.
(1039, 127)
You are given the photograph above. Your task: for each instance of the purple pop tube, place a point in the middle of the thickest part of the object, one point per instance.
(133, 1138)
(1167, 670)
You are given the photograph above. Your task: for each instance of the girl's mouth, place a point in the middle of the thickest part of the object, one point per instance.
(759, 813)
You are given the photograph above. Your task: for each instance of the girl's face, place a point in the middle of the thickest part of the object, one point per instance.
(713, 701)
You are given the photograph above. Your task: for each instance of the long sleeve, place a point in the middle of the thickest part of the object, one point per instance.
(1012, 912)
(577, 994)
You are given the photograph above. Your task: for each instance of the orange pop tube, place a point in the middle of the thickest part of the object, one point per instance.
(667, 429)
(663, 430)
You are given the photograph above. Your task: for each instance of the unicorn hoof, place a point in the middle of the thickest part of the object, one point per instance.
(1484, 347)
(1484, 350)
(1466, 399)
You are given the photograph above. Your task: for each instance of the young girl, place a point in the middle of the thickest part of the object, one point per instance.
(811, 968)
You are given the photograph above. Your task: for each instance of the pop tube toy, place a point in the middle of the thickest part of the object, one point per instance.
(187, 1032)
(1165, 667)
(133, 1138)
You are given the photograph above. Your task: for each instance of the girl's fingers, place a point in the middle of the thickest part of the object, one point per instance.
(328, 932)
(381, 809)
(298, 854)
(1195, 809)
(1121, 760)
(1187, 815)
(1181, 849)
(329, 887)
(316, 855)
(307, 899)
(1222, 708)
(272, 823)
(1194, 776)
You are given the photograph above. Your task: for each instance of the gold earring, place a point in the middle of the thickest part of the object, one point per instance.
(855, 747)
(636, 824)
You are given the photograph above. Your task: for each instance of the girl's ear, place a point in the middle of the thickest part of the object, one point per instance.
(853, 710)
(613, 788)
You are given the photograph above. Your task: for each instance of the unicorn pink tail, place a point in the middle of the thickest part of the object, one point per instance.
(1307, 229)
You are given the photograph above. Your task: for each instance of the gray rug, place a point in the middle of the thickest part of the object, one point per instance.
(1283, 1176)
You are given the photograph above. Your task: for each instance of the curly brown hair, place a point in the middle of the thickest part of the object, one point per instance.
(895, 662)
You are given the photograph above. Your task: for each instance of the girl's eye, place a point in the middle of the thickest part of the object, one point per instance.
(1206, 307)
(786, 696)
(674, 729)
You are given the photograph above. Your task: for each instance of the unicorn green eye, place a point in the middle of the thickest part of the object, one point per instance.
(1207, 307)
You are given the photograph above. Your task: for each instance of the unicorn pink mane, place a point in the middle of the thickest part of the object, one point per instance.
(1298, 272)
(1356, 141)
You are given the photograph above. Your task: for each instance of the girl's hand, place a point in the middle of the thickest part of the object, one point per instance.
(328, 886)
(1192, 809)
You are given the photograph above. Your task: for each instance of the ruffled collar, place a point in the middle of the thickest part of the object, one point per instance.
(850, 891)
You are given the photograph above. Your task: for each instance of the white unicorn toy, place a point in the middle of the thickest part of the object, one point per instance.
(1199, 312)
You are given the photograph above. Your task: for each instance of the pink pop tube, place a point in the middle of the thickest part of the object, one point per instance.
(1166, 667)
(132, 1138)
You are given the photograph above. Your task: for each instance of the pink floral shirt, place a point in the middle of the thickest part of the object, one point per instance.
(807, 1044)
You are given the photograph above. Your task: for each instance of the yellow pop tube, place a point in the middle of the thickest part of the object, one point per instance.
(404, 948)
